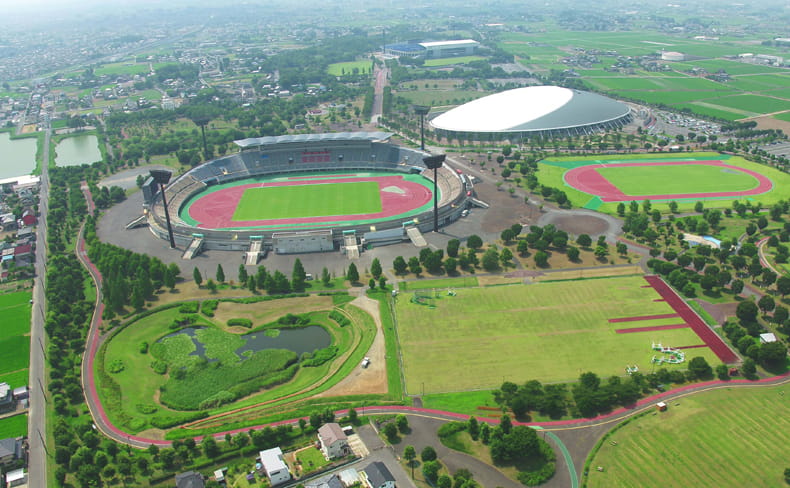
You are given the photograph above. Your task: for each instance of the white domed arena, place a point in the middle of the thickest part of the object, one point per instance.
(534, 111)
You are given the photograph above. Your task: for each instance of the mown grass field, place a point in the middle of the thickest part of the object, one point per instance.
(431, 63)
(295, 201)
(347, 68)
(727, 438)
(549, 331)
(690, 178)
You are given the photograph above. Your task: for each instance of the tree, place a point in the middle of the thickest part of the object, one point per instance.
(352, 274)
(699, 207)
(736, 286)
(197, 277)
(723, 372)
(505, 424)
(428, 453)
(220, 274)
(372, 283)
(621, 209)
(211, 285)
(474, 242)
(766, 303)
(699, 367)
(375, 268)
(325, 277)
(431, 470)
(573, 253)
(298, 276)
(450, 265)
(749, 368)
(584, 240)
(414, 265)
(780, 314)
(773, 354)
(400, 266)
(490, 259)
(783, 285)
(391, 431)
(507, 235)
(541, 259)
(445, 481)
(506, 257)
(210, 447)
(242, 273)
(402, 423)
(409, 454)
(452, 247)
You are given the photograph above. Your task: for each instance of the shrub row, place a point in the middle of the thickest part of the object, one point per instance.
(240, 322)
(338, 317)
(208, 307)
(189, 307)
(319, 357)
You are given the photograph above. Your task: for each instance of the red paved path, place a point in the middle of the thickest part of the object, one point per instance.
(643, 317)
(648, 329)
(704, 332)
(589, 180)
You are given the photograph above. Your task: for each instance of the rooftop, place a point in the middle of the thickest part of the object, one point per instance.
(272, 460)
(302, 138)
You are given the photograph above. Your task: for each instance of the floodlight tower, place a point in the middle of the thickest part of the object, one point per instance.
(434, 163)
(162, 177)
(422, 111)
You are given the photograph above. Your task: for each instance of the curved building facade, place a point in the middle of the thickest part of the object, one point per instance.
(535, 111)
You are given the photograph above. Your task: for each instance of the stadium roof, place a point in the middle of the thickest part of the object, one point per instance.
(459, 42)
(302, 138)
(534, 108)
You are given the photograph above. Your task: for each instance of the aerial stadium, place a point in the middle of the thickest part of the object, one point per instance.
(306, 193)
(534, 111)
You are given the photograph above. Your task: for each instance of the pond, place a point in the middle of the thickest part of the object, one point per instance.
(74, 151)
(298, 340)
(17, 156)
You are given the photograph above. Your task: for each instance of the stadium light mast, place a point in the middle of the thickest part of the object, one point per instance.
(434, 163)
(162, 177)
(422, 111)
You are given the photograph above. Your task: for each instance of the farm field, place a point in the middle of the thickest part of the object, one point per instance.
(287, 202)
(15, 426)
(347, 68)
(744, 429)
(548, 331)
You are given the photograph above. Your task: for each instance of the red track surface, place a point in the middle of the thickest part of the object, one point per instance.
(648, 329)
(686, 313)
(589, 180)
(215, 210)
(643, 317)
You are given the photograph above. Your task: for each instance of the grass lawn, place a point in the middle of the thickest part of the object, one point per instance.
(547, 331)
(15, 426)
(671, 179)
(460, 282)
(347, 68)
(311, 459)
(16, 378)
(743, 431)
(429, 63)
(295, 201)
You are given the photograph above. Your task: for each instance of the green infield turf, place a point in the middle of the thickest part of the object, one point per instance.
(676, 179)
(725, 438)
(548, 331)
(296, 201)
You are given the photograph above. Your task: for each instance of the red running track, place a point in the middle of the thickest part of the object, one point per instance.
(714, 342)
(589, 180)
(648, 329)
(644, 317)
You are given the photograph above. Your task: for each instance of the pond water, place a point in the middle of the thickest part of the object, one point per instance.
(298, 340)
(17, 157)
(74, 151)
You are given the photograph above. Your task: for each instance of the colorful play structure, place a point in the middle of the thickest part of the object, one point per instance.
(671, 356)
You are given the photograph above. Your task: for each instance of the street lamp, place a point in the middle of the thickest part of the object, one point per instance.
(162, 177)
(422, 111)
(434, 163)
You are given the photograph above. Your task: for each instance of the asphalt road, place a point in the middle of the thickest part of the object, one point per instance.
(37, 461)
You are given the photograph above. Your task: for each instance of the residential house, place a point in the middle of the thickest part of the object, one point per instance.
(8, 222)
(378, 476)
(328, 481)
(28, 218)
(6, 398)
(11, 449)
(334, 442)
(190, 479)
(22, 251)
(16, 477)
(274, 466)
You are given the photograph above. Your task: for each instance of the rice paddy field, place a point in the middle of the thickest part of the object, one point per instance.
(546, 331)
(15, 338)
(752, 88)
(745, 430)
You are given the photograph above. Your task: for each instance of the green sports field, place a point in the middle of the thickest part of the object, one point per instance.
(546, 331)
(727, 438)
(666, 179)
(296, 201)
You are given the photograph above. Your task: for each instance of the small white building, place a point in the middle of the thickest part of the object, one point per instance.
(274, 466)
(672, 56)
(16, 478)
(334, 442)
(767, 337)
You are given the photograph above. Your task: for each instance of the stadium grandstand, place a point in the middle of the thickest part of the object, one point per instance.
(294, 155)
(535, 111)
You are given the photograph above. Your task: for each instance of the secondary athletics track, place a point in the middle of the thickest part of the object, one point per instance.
(589, 180)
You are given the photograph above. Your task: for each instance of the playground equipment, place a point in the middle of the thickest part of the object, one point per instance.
(631, 369)
(424, 299)
(672, 356)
